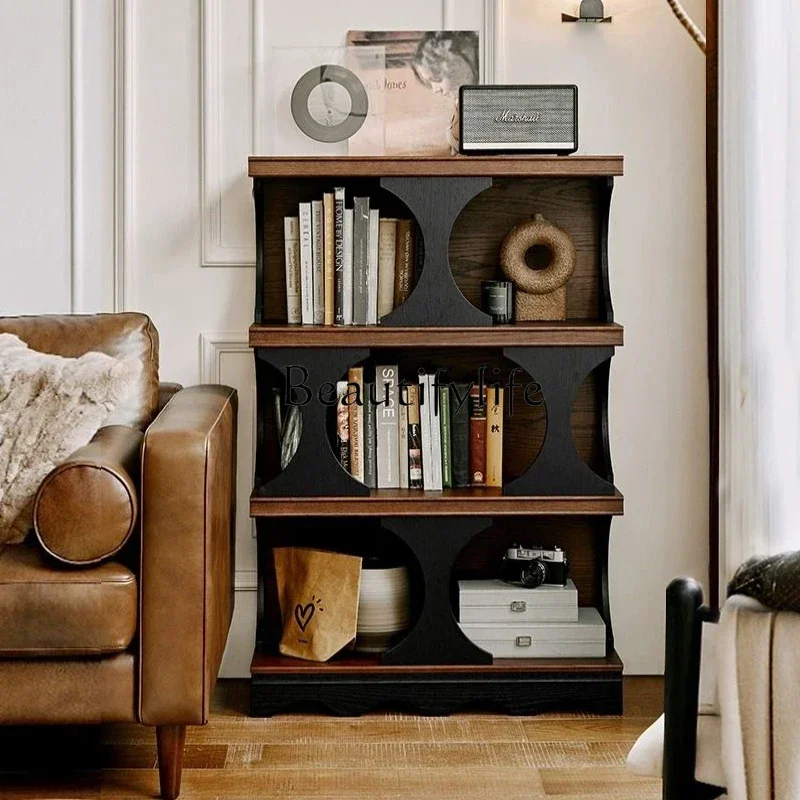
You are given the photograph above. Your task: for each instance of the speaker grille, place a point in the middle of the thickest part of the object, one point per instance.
(536, 115)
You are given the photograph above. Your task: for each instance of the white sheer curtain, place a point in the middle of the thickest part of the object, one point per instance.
(759, 279)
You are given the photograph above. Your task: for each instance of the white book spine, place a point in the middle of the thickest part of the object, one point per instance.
(347, 282)
(402, 447)
(387, 252)
(425, 427)
(387, 427)
(291, 244)
(372, 272)
(436, 433)
(318, 250)
(306, 265)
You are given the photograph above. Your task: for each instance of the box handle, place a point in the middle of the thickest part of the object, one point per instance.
(523, 641)
(519, 605)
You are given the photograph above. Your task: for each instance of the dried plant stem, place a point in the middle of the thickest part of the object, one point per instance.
(688, 23)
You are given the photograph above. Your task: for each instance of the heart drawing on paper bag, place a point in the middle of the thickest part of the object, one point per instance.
(304, 613)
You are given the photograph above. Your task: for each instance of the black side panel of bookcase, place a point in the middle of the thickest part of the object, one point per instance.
(314, 470)
(604, 188)
(436, 203)
(436, 637)
(558, 469)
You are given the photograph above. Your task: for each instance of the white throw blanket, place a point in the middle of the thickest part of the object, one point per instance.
(759, 699)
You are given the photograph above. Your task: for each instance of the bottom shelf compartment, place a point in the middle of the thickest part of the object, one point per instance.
(353, 685)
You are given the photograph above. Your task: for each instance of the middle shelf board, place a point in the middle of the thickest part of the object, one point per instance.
(521, 334)
(450, 502)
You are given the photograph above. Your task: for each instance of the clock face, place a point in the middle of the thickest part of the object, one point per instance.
(329, 103)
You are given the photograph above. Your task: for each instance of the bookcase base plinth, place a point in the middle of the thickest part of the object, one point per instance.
(504, 686)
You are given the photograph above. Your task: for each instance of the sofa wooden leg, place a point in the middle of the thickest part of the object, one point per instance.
(170, 740)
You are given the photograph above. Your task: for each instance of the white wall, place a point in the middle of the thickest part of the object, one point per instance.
(124, 178)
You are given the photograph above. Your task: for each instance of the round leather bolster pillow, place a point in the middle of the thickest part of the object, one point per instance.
(86, 508)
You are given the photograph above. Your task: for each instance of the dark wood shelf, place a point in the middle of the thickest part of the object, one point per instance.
(520, 334)
(448, 166)
(450, 502)
(358, 664)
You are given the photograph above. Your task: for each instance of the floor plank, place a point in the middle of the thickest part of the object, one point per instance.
(377, 756)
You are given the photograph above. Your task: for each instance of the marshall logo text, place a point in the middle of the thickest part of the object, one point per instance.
(509, 116)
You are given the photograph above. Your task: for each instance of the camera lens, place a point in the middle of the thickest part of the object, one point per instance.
(533, 574)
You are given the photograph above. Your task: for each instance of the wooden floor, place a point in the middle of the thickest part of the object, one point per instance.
(564, 756)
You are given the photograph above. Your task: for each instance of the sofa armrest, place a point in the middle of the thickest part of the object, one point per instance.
(187, 557)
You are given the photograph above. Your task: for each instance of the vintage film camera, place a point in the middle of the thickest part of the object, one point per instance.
(534, 566)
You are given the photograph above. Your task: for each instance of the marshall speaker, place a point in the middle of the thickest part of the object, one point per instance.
(519, 119)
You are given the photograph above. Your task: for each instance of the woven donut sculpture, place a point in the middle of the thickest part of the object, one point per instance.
(540, 294)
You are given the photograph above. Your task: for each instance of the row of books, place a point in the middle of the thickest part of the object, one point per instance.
(391, 434)
(346, 266)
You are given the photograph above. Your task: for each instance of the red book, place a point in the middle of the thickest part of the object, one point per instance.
(477, 437)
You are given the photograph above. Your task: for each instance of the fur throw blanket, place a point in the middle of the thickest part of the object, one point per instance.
(49, 407)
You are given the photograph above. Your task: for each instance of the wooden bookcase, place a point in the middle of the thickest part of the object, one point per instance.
(558, 477)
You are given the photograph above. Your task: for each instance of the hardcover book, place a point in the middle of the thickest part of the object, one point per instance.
(387, 432)
(436, 432)
(329, 266)
(415, 479)
(318, 250)
(306, 264)
(459, 434)
(494, 436)
(477, 437)
(291, 244)
(444, 419)
(402, 447)
(360, 258)
(342, 426)
(347, 280)
(370, 456)
(338, 254)
(355, 396)
(425, 427)
(404, 264)
(387, 244)
(372, 268)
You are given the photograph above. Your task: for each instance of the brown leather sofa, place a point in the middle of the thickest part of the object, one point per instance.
(139, 637)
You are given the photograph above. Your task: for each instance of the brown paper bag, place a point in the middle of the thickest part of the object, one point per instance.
(318, 595)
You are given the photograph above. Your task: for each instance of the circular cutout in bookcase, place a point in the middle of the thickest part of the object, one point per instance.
(589, 429)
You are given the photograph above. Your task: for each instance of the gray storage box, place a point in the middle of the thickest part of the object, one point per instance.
(497, 601)
(585, 638)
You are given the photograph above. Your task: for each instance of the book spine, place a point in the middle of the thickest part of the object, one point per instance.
(372, 267)
(355, 379)
(306, 264)
(459, 434)
(477, 437)
(291, 244)
(370, 456)
(360, 258)
(404, 261)
(387, 430)
(347, 280)
(342, 426)
(387, 246)
(494, 436)
(402, 439)
(318, 242)
(329, 255)
(415, 478)
(338, 254)
(444, 419)
(436, 432)
(425, 425)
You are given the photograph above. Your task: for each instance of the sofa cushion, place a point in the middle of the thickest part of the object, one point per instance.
(86, 508)
(118, 335)
(50, 611)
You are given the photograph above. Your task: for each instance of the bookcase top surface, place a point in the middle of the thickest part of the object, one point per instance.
(435, 166)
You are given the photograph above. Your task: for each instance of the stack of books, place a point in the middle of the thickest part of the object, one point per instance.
(346, 266)
(395, 434)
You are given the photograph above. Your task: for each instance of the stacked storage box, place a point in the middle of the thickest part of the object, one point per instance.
(514, 622)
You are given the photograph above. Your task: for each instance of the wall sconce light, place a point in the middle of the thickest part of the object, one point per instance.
(590, 11)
